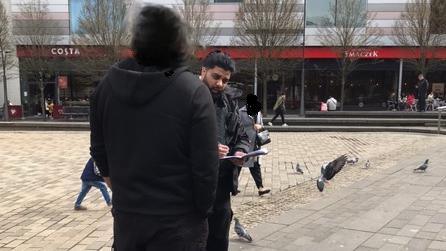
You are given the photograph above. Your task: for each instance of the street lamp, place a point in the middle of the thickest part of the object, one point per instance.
(302, 82)
(5, 87)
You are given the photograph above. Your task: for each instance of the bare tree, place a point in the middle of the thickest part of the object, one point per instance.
(35, 34)
(348, 30)
(268, 26)
(198, 18)
(102, 25)
(6, 41)
(421, 28)
(6, 45)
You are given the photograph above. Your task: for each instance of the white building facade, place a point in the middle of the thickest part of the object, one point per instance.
(373, 82)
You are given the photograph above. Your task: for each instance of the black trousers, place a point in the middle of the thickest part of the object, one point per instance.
(278, 112)
(256, 174)
(220, 222)
(136, 232)
(421, 104)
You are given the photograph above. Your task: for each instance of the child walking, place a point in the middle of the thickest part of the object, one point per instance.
(91, 178)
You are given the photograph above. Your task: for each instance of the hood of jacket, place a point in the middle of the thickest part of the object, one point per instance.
(136, 84)
(234, 93)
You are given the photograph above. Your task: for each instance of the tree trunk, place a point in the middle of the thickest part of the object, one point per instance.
(265, 96)
(42, 99)
(342, 89)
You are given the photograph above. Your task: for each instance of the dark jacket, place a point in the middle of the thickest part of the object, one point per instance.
(89, 173)
(153, 133)
(230, 132)
(422, 89)
(248, 123)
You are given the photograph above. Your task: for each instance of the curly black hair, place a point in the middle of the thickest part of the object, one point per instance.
(159, 37)
(220, 59)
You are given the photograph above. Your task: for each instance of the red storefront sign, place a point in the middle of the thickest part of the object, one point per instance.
(312, 52)
(62, 82)
(333, 53)
(24, 51)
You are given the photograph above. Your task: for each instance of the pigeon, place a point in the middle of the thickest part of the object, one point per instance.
(241, 231)
(328, 171)
(352, 161)
(422, 167)
(367, 164)
(298, 169)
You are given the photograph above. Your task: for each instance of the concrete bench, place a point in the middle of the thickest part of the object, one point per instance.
(72, 112)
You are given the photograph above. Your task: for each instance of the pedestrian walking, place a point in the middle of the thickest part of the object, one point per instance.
(279, 109)
(252, 121)
(423, 86)
(91, 178)
(153, 137)
(217, 68)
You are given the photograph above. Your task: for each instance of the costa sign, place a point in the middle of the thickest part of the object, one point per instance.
(65, 51)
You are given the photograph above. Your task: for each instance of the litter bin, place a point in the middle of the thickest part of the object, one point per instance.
(57, 111)
(15, 111)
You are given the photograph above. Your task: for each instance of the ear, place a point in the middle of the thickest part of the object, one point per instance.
(203, 71)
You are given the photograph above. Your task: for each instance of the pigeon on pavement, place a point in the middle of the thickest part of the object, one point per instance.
(352, 161)
(241, 231)
(298, 169)
(367, 164)
(423, 167)
(328, 171)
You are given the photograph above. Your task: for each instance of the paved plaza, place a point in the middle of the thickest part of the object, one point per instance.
(385, 206)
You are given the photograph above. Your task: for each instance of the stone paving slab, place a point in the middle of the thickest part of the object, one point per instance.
(39, 182)
(399, 210)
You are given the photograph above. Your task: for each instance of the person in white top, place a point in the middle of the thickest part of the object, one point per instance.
(332, 103)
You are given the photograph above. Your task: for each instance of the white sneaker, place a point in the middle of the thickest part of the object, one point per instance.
(284, 124)
(270, 124)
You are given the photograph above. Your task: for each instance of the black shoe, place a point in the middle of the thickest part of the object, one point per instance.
(264, 191)
(80, 208)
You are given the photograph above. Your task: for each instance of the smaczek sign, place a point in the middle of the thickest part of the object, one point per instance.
(362, 54)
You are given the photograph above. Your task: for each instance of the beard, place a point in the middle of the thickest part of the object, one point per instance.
(215, 90)
(215, 93)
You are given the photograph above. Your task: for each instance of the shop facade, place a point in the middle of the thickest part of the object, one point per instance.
(383, 69)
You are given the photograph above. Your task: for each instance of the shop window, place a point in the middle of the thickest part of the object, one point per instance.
(319, 12)
(344, 10)
(75, 12)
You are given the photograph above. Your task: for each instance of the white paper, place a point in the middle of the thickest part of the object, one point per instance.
(259, 152)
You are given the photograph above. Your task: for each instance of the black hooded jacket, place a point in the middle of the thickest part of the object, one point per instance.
(153, 133)
(230, 132)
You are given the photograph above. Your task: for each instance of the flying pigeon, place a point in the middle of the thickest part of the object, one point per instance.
(422, 167)
(367, 164)
(241, 231)
(328, 171)
(352, 161)
(298, 169)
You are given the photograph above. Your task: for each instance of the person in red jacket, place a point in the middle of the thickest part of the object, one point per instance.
(411, 102)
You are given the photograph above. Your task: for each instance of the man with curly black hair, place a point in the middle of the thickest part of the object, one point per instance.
(153, 137)
(216, 71)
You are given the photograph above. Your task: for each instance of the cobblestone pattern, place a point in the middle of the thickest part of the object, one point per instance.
(394, 209)
(39, 182)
